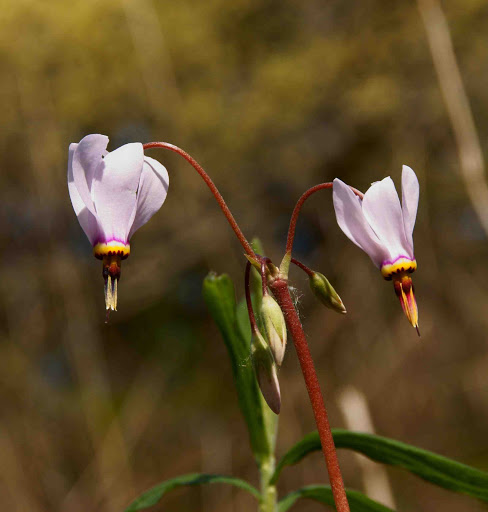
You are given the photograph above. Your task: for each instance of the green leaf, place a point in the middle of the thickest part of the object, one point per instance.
(218, 292)
(243, 323)
(323, 494)
(151, 497)
(434, 468)
(296, 453)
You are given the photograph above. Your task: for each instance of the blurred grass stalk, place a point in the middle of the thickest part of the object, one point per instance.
(154, 60)
(142, 397)
(451, 84)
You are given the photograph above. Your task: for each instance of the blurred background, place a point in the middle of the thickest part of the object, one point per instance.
(271, 97)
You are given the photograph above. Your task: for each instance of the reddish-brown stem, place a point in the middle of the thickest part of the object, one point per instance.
(299, 264)
(247, 287)
(298, 207)
(211, 185)
(264, 279)
(280, 290)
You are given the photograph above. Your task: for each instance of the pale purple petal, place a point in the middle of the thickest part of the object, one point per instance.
(382, 210)
(115, 188)
(352, 222)
(85, 217)
(410, 203)
(87, 158)
(153, 188)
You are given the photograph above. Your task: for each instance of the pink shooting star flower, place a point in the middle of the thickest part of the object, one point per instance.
(382, 228)
(113, 195)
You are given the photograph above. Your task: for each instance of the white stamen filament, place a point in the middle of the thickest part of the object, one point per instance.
(108, 293)
(111, 293)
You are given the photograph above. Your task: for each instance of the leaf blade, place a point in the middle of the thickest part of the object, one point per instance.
(154, 495)
(219, 294)
(323, 494)
(434, 468)
(296, 453)
(429, 466)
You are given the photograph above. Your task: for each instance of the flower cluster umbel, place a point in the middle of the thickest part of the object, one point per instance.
(114, 194)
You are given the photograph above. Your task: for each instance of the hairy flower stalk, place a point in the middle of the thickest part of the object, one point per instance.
(279, 287)
(113, 195)
(215, 192)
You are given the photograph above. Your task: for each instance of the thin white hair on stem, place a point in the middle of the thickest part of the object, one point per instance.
(296, 297)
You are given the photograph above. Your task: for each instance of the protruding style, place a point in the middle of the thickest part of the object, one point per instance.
(113, 195)
(383, 228)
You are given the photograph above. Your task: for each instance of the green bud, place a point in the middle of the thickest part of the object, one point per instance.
(266, 372)
(274, 327)
(325, 293)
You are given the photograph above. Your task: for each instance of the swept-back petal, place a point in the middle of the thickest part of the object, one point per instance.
(115, 188)
(87, 158)
(153, 188)
(410, 203)
(87, 220)
(352, 222)
(382, 210)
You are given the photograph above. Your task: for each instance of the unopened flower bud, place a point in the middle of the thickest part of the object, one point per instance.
(275, 327)
(325, 293)
(266, 372)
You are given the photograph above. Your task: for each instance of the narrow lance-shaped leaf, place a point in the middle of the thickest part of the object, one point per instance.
(296, 453)
(434, 468)
(271, 419)
(152, 496)
(218, 292)
(323, 494)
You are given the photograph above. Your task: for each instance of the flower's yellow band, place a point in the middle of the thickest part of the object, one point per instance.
(116, 248)
(400, 265)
